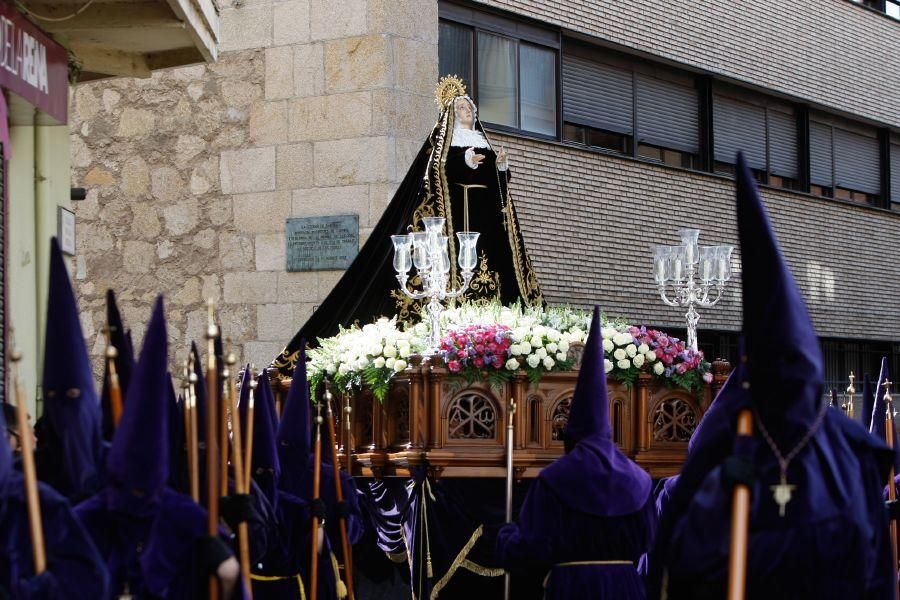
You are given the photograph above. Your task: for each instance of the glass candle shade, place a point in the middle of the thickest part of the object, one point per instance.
(402, 259)
(468, 256)
(420, 249)
(689, 242)
(708, 263)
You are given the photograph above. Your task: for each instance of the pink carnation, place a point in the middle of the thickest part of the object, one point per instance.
(453, 365)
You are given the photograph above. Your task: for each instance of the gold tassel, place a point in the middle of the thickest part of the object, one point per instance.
(428, 568)
(341, 586)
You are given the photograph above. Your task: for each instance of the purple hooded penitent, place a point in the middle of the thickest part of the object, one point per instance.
(147, 533)
(295, 455)
(831, 541)
(71, 451)
(74, 568)
(589, 517)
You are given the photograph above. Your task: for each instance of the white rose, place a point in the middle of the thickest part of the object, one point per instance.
(512, 365)
(626, 337)
(638, 361)
(361, 364)
(561, 356)
(607, 365)
(631, 350)
(643, 348)
(404, 351)
(390, 351)
(658, 368)
(330, 369)
(541, 353)
(607, 332)
(552, 347)
(553, 335)
(540, 330)
(389, 363)
(624, 364)
(533, 361)
(608, 345)
(651, 356)
(378, 362)
(563, 346)
(548, 363)
(370, 329)
(375, 350)
(343, 369)
(399, 365)
(516, 349)
(618, 340)
(619, 354)
(536, 342)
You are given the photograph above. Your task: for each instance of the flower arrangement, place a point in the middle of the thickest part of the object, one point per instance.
(494, 342)
(497, 352)
(368, 355)
(631, 350)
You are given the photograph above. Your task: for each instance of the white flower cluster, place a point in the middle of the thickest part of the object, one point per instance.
(622, 353)
(541, 346)
(381, 345)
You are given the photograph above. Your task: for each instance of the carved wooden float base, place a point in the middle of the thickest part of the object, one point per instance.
(431, 417)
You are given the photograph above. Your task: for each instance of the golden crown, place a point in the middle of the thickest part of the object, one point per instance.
(448, 88)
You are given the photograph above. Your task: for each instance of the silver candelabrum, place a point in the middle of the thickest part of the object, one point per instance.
(694, 275)
(428, 251)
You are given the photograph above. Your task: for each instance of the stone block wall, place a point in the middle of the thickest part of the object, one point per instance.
(316, 107)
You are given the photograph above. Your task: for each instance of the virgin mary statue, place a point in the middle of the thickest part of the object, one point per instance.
(456, 175)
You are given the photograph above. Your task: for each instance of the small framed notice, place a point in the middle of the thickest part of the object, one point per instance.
(321, 243)
(65, 230)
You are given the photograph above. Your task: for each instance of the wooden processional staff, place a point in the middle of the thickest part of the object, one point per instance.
(740, 521)
(28, 471)
(339, 494)
(510, 429)
(191, 437)
(212, 432)
(252, 384)
(241, 478)
(317, 473)
(892, 491)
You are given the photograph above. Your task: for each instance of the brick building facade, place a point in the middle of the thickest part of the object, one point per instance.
(317, 107)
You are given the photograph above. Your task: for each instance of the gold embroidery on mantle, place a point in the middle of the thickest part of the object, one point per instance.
(286, 360)
(485, 283)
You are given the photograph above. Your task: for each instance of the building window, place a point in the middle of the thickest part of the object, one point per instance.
(455, 51)
(889, 7)
(616, 106)
(514, 80)
(843, 164)
(766, 134)
(895, 173)
(892, 8)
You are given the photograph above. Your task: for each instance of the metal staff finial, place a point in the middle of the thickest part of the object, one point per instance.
(851, 390)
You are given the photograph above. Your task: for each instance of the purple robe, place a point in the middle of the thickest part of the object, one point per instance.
(74, 568)
(549, 535)
(150, 546)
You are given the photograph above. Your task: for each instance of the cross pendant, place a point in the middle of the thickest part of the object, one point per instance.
(782, 494)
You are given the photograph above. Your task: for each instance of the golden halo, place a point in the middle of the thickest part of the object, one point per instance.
(448, 88)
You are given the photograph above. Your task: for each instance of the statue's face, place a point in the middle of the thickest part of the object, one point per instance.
(464, 114)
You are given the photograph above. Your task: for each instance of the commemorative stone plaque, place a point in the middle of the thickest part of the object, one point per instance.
(322, 243)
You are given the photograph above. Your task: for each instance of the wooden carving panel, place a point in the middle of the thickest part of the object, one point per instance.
(471, 416)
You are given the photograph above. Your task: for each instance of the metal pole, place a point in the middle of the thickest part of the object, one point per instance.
(510, 428)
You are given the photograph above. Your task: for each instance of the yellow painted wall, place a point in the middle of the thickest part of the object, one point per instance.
(38, 183)
(21, 260)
